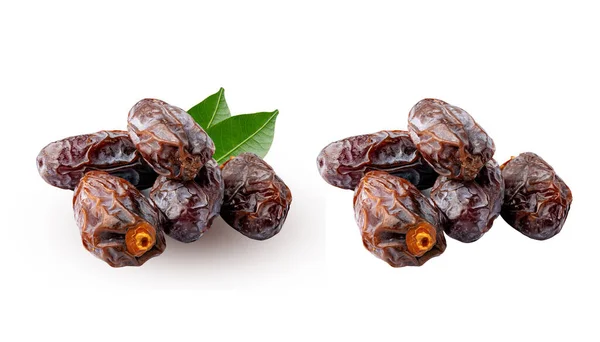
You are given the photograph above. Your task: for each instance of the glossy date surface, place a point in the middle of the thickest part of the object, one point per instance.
(397, 222)
(169, 139)
(256, 201)
(537, 200)
(470, 207)
(449, 139)
(64, 162)
(117, 223)
(343, 163)
(190, 206)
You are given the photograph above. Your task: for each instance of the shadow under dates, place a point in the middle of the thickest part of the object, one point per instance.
(225, 259)
(224, 256)
(219, 244)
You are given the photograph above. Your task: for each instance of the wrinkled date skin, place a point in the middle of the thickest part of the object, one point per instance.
(256, 200)
(169, 139)
(470, 207)
(537, 200)
(190, 206)
(117, 223)
(449, 139)
(63, 163)
(343, 163)
(398, 223)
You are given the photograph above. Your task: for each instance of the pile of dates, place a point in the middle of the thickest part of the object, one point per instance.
(165, 150)
(446, 153)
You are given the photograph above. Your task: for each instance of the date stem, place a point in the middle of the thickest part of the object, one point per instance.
(140, 239)
(420, 239)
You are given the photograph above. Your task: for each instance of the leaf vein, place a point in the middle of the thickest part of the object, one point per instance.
(258, 131)
(216, 108)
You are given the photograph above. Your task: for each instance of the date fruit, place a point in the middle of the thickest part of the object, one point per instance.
(343, 163)
(169, 139)
(470, 207)
(190, 206)
(117, 223)
(64, 162)
(256, 201)
(398, 223)
(449, 139)
(537, 200)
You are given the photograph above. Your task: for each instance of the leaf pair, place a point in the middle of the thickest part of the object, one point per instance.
(233, 135)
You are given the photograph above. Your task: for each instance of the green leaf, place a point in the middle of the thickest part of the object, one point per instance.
(211, 111)
(243, 133)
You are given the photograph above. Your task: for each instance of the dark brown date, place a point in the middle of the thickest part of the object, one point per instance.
(449, 139)
(169, 139)
(398, 224)
(470, 207)
(190, 206)
(537, 200)
(256, 200)
(343, 163)
(117, 223)
(63, 163)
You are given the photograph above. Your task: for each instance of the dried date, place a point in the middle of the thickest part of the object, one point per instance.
(470, 207)
(190, 206)
(169, 139)
(117, 223)
(449, 139)
(64, 162)
(256, 201)
(343, 163)
(537, 200)
(398, 223)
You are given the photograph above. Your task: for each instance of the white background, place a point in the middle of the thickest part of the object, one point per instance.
(528, 72)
